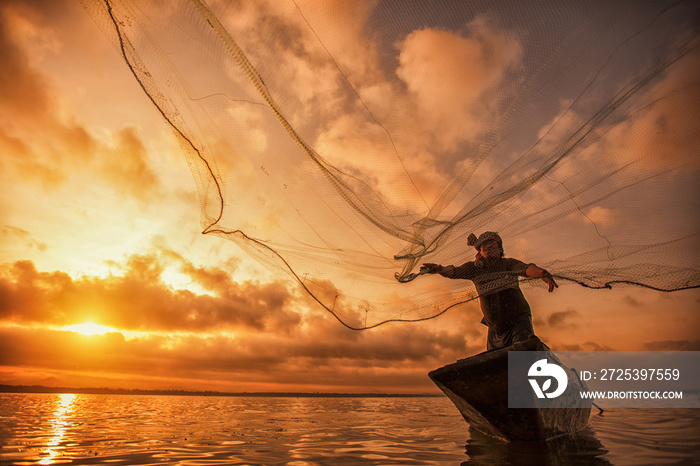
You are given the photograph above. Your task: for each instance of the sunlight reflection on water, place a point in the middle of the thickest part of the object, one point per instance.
(59, 424)
(121, 429)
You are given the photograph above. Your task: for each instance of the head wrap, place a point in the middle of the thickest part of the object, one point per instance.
(472, 240)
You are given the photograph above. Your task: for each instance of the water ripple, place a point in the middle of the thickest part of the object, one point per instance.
(125, 430)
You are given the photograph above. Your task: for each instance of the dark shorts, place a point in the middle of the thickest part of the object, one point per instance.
(520, 331)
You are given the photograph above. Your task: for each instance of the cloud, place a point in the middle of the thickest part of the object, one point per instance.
(339, 360)
(139, 299)
(562, 318)
(587, 346)
(631, 301)
(127, 167)
(43, 141)
(24, 91)
(405, 134)
(663, 135)
(449, 95)
(25, 100)
(9, 233)
(673, 345)
(243, 334)
(601, 216)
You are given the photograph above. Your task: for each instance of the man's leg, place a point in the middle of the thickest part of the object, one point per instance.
(521, 331)
(496, 340)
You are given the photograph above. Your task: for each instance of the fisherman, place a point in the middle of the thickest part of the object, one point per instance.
(506, 312)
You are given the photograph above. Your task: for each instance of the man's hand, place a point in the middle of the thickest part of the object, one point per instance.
(430, 268)
(549, 280)
(534, 271)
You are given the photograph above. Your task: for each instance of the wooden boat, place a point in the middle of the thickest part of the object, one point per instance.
(478, 386)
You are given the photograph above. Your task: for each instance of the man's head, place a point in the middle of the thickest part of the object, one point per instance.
(489, 244)
(490, 249)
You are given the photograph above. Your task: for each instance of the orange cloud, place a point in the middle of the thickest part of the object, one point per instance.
(23, 90)
(39, 141)
(245, 334)
(9, 234)
(586, 346)
(449, 95)
(560, 319)
(35, 141)
(305, 362)
(127, 167)
(673, 345)
(139, 300)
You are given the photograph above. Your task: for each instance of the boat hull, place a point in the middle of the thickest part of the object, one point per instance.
(478, 387)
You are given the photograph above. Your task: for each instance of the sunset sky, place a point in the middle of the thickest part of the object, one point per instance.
(100, 224)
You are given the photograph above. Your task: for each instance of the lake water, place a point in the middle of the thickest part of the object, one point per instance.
(131, 429)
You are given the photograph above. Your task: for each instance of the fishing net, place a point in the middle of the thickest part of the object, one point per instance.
(342, 144)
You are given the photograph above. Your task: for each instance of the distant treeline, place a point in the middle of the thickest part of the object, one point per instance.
(126, 391)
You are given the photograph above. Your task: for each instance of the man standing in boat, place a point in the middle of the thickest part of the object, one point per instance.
(506, 312)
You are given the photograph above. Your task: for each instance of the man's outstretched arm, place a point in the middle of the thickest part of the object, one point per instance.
(534, 271)
(447, 271)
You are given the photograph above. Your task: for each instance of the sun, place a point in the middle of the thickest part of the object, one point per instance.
(89, 329)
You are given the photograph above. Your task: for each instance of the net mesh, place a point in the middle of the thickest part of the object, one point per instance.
(342, 144)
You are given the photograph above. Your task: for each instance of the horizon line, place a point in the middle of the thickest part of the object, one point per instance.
(6, 388)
